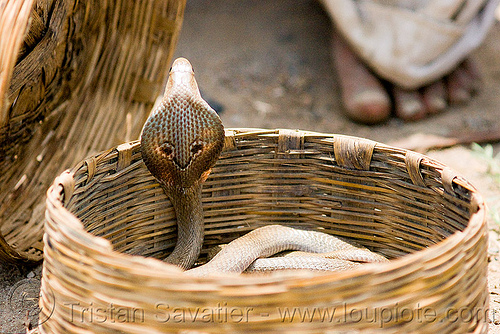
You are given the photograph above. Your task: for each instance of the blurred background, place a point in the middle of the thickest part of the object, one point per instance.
(269, 65)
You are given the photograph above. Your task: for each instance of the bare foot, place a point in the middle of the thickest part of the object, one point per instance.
(364, 97)
(366, 100)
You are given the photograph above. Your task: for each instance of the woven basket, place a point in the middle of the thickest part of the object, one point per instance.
(76, 77)
(108, 212)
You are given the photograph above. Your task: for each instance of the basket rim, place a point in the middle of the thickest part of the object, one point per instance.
(74, 230)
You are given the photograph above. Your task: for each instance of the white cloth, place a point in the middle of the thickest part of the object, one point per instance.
(412, 42)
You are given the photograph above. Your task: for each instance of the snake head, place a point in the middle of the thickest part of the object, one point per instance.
(183, 137)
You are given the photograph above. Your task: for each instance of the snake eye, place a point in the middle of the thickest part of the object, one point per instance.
(166, 150)
(195, 148)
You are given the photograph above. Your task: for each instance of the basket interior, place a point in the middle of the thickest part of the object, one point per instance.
(265, 177)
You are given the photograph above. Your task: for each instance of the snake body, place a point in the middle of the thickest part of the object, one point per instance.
(180, 143)
(317, 251)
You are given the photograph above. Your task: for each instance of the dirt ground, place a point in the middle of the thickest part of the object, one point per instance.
(267, 64)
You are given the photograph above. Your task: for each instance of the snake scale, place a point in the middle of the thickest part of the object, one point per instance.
(180, 143)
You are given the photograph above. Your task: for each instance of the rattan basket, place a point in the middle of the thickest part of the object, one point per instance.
(108, 222)
(76, 77)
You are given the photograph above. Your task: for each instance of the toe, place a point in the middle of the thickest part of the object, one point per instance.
(434, 97)
(408, 104)
(459, 86)
(473, 73)
(368, 107)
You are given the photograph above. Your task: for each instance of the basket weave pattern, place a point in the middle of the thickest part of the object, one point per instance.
(76, 77)
(406, 206)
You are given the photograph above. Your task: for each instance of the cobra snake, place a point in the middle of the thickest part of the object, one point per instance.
(180, 142)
